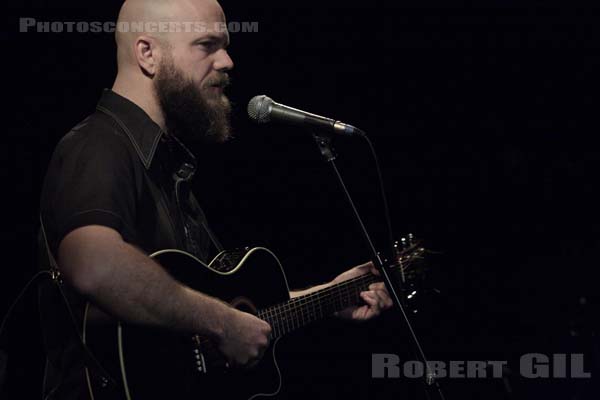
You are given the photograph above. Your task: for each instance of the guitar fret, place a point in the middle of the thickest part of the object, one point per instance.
(289, 317)
(277, 322)
(299, 312)
(302, 313)
(285, 320)
(272, 321)
(295, 318)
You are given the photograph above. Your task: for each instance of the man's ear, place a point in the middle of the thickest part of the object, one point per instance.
(147, 54)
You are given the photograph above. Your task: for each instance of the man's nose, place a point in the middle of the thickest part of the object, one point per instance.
(223, 61)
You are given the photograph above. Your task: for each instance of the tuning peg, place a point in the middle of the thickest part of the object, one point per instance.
(404, 243)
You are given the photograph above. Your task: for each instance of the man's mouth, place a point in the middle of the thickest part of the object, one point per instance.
(219, 83)
(219, 86)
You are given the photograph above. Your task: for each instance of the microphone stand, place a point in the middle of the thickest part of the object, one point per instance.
(393, 287)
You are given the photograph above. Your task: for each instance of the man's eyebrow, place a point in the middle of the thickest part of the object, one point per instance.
(222, 39)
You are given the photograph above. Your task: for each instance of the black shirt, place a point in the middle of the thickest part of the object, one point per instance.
(119, 169)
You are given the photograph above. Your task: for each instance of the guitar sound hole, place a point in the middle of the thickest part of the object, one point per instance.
(244, 304)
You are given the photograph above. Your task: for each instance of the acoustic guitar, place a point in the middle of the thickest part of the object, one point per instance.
(159, 364)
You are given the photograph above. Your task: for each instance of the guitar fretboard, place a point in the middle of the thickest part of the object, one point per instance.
(301, 311)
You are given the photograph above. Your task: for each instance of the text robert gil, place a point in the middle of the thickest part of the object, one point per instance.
(531, 365)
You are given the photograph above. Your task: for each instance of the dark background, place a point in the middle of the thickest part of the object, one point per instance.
(484, 118)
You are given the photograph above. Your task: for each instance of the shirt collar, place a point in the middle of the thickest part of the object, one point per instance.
(143, 132)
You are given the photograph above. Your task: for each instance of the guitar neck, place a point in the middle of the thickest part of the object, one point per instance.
(303, 310)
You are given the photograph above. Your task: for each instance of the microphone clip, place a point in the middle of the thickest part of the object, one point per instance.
(324, 144)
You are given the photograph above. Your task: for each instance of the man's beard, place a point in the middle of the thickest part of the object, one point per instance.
(192, 113)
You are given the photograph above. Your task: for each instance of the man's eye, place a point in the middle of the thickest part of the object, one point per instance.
(208, 45)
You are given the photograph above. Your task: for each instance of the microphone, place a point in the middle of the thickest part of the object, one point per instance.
(263, 109)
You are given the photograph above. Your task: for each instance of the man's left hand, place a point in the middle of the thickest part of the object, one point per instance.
(376, 298)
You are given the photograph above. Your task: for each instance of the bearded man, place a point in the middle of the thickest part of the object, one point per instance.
(118, 188)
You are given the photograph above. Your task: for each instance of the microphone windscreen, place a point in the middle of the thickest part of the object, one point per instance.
(258, 109)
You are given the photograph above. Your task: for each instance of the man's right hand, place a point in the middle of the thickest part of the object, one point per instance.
(244, 339)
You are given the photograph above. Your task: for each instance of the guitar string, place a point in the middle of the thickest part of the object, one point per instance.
(326, 297)
(329, 297)
(293, 305)
(297, 310)
(338, 300)
(298, 304)
(290, 309)
(302, 301)
(318, 295)
(405, 267)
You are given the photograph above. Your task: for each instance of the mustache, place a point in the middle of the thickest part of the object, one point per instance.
(222, 79)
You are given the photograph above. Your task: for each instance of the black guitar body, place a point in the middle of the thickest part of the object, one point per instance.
(156, 364)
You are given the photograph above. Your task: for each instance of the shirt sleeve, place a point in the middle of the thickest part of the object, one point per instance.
(90, 181)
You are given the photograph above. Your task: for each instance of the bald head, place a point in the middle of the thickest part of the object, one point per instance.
(165, 23)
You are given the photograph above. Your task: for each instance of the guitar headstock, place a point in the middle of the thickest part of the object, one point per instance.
(410, 268)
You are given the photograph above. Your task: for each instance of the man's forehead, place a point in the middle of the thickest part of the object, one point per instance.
(208, 17)
(208, 11)
(197, 20)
